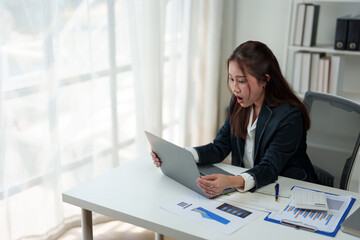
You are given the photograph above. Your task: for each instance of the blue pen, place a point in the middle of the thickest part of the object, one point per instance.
(276, 192)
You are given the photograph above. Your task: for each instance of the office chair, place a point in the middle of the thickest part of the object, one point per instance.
(333, 138)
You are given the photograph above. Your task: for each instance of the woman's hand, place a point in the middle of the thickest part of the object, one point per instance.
(155, 158)
(214, 184)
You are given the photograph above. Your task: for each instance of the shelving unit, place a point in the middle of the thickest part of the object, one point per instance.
(330, 10)
(325, 49)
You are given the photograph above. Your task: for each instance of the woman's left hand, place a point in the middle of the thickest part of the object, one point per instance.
(214, 184)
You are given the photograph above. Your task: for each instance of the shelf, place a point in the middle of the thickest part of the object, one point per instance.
(353, 96)
(348, 84)
(331, 1)
(324, 49)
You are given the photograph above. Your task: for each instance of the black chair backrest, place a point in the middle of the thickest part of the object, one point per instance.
(333, 138)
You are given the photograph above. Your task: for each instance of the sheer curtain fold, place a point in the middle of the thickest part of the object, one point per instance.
(205, 63)
(147, 24)
(62, 86)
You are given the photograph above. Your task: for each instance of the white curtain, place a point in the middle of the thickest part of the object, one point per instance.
(203, 71)
(80, 81)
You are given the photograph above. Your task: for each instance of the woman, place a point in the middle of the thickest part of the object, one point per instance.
(265, 129)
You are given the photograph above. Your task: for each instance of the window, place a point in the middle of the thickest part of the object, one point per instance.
(68, 103)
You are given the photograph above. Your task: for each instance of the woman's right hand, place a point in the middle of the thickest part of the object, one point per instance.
(155, 158)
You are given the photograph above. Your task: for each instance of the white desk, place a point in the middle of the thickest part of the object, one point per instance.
(134, 191)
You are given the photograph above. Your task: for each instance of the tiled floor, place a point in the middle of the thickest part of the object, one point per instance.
(114, 230)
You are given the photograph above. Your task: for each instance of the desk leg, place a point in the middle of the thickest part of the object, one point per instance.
(159, 236)
(86, 223)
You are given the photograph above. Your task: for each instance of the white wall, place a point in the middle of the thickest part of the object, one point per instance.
(266, 21)
(354, 181)
(262, 20)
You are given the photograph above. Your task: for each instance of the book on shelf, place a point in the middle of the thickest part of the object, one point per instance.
(297, 71)
(317, 72)
(336, 68)
(324, 73)
(306, 22)
(314, 72)
(305, 71)
(353, 37)
(341, 32)
(299, 24)
(310, 25)
(320, 80)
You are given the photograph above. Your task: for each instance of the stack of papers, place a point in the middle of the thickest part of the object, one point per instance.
(323, 222)
(309, 199)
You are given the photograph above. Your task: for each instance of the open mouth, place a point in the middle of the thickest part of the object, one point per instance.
(239, 99)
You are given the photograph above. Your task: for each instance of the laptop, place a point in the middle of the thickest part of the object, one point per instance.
(179, 164)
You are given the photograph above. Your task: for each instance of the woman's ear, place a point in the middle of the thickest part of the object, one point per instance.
(267, 77)
(266, 80)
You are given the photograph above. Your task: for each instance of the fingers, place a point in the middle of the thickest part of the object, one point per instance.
(155, 158)
(209, 187)
(211, 191)
(211, 177)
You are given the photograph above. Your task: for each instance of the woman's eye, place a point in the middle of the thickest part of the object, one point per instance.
(238, 81)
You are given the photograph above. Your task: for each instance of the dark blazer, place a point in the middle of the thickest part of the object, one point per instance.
(280, 146)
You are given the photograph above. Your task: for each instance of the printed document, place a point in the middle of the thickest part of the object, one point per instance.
(309, 199)
(262, 199)
(325, 221)
(220, 216)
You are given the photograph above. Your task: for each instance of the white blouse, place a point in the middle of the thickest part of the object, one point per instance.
(248, 154)
(249, 143)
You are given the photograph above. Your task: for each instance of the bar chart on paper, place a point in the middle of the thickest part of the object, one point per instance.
(317, 218)
(326, 222)
(211, 213)
(320, 217)
(236, 211)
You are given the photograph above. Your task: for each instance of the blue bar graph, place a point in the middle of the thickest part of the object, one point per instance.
(239, 212)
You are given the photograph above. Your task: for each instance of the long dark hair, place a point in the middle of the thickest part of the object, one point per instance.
(259, 61)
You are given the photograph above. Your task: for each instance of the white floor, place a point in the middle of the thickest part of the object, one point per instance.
(114, 230)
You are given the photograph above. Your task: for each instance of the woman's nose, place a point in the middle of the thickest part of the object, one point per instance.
(236, 87)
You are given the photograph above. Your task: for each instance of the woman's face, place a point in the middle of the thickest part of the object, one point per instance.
(247, 89)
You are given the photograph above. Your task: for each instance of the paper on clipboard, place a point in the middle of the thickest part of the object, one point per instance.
(324, 222)
(262, 199)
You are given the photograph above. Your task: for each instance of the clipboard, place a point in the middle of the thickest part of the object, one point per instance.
(300, 218)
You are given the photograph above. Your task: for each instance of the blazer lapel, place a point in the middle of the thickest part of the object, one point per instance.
(262, 121)
(240, 146)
